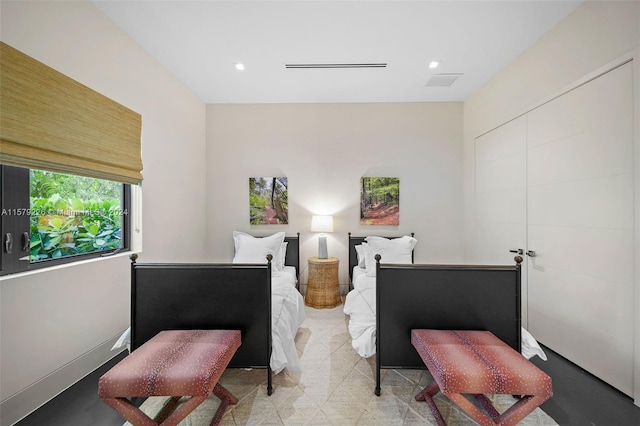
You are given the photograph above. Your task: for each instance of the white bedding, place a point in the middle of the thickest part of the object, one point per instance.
(287, 309)
(360, 305)
(287, 314)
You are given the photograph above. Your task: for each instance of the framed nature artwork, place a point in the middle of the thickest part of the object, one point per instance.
(380, 201)
(268, 203)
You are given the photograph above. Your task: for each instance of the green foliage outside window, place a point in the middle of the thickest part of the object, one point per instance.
(73, 215)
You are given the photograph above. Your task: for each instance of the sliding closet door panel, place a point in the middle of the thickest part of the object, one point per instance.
(580, 199)
(500, 197)
(581, 156)
(595, 252)
(497, 227)
(590, 203)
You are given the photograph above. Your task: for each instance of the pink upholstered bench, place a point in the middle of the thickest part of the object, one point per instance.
(173, 363)
(478, 363)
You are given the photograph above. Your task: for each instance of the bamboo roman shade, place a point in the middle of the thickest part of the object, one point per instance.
(49, 121)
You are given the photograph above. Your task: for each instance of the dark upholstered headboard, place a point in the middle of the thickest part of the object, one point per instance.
(293, 252)
(204, 296)
(444, 297)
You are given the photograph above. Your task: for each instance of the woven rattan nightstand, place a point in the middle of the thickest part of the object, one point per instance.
(323, 288)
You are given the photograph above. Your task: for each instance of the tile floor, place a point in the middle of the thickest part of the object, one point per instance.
(335, 387)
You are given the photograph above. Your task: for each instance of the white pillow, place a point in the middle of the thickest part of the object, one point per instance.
(360, 254)
(369, 260)
(396, 250)
(250, 249)
(282, 255)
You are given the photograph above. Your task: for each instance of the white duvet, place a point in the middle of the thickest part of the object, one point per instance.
(287, 314)
(360, 305)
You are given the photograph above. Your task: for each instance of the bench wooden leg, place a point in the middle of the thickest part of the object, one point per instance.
(172, 411)
(130, 412)
(427, 395)
(521, 409)
(168, 415)
(168, 408)
(518, 411)
(488, 406)
(468, 407)
(226, 398)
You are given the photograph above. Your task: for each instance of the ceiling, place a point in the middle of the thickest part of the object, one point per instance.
(201, 41)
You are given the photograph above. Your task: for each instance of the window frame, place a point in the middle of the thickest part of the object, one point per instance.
(15, 197)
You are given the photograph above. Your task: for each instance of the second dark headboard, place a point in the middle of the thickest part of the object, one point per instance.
(293, 252)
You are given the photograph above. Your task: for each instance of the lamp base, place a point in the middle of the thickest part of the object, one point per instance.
(322, 247)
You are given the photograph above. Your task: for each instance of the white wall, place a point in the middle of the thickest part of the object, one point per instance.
(596, 35)
(324, 150)
(58, 325)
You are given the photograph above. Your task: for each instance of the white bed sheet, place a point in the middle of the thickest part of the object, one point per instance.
(360, 305)
(287, 314)
(361, 280)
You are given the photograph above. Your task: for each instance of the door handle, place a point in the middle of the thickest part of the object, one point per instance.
(531, 253)
(26, 241)
(8, 243)
(518, 251)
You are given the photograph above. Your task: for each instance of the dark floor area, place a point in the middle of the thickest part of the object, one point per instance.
(579, 399)
(79, 405)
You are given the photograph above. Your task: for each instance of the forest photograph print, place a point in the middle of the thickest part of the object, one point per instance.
(379, 201)
(268, 201)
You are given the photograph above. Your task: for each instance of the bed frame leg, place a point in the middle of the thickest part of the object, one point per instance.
(269, 381)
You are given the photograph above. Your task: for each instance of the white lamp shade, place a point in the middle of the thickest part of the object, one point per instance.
(321, 223)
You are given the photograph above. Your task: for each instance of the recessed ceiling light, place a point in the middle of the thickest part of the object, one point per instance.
(434, 64)
(239, 66)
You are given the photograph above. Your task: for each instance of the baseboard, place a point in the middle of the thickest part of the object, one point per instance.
(25, 402)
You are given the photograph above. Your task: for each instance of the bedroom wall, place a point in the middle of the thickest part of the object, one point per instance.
(594, 36)
(59, 324)
(324, 150)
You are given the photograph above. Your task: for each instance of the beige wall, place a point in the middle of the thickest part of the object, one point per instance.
(596, 36)
(58, 325)
(324, 150)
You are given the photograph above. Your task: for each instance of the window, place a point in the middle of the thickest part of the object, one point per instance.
(51, 218)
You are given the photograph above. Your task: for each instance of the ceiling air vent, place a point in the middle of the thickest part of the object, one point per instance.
(443, 79)
(323, 66)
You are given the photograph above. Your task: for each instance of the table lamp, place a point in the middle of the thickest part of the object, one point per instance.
(322, 224)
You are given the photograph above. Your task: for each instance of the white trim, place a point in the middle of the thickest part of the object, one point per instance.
(636, 342)
(63, 266)
(20, 405)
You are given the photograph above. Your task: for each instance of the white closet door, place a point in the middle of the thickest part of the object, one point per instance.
(500, 197)
(580, 225)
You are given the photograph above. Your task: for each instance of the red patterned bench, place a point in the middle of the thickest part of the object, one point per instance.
(173, 363)
(478, 363)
